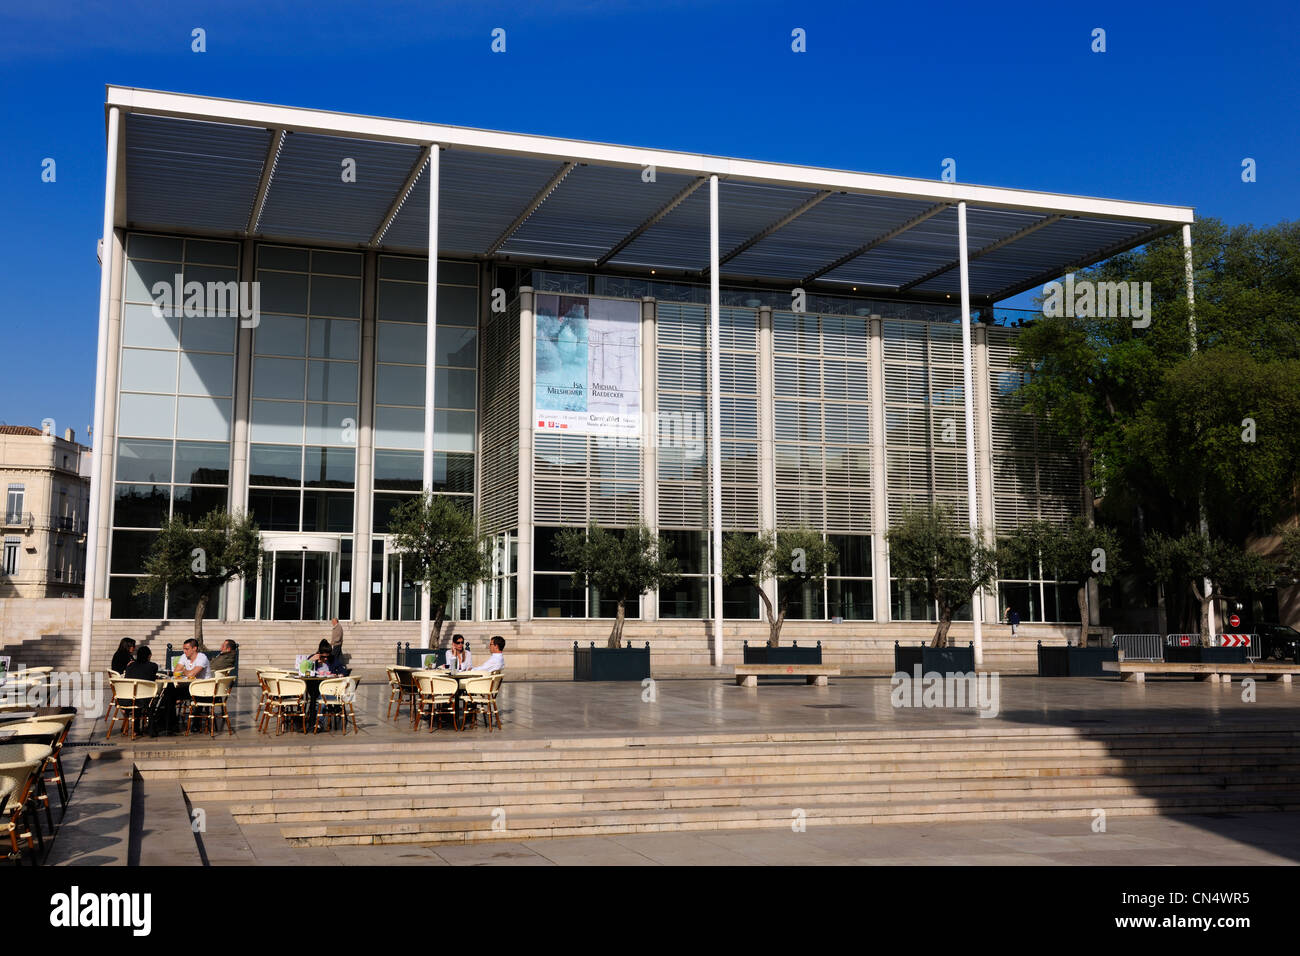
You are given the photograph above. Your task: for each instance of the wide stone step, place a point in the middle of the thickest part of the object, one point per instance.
(390, 782)
(484, 802)
(404, 829)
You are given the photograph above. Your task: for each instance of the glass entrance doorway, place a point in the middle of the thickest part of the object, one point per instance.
(299, 579)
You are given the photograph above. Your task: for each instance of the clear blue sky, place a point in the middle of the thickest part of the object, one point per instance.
(1013, 92)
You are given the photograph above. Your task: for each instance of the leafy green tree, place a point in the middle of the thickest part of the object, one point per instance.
(1173, 426)
(619, 564)
(190, 561)
(441, 547)
(1075, 551)
(793, 557)
(928, 552)
(1190, 559)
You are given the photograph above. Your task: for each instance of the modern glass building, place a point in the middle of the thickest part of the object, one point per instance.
(617, 334)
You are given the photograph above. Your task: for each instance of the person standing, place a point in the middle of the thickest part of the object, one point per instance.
(336, 640)
(1013, 618)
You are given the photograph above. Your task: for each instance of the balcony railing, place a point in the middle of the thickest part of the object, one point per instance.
(19, 519)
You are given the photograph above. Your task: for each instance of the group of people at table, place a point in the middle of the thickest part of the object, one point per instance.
(136, 663)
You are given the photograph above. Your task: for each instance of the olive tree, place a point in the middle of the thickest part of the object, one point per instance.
(189, 561)
(442, 548)
(928, 552)
(792, 557)
(621, 564)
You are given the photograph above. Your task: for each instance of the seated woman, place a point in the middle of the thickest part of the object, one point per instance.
(142, 668)
(123, 655)
(326, 657)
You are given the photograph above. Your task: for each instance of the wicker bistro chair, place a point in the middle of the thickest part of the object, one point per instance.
(435, 697)
(401, 688)
(287, 700)
(16, 786)
(481, 698)
(51, 729)
(208, 699)
(22, 769)
(264, 700)
(133, 699)
(336, 699)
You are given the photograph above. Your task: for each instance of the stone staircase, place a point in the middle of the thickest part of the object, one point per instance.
(451, 789)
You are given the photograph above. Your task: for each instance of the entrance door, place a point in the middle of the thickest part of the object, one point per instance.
(302, 585)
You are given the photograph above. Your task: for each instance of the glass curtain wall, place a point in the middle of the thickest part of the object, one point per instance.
(176, 387)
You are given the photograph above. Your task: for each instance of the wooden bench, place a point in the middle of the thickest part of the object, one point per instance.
(748, 674)
(1137, 671)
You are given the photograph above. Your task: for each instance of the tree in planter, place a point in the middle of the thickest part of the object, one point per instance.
(1073, 552)
(928, 552)
(621, 565)
(190, 560)
(441, 547)
(1190, 559)
(794, 557)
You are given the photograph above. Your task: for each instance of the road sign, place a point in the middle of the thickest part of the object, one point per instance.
(1234, 621)
(1185, 640)
(1234, 640)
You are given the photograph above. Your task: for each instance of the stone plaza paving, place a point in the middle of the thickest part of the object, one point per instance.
(99, 830)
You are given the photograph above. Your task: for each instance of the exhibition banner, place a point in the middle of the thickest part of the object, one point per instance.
(587, 365)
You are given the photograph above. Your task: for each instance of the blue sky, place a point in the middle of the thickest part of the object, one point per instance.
(1012, 91)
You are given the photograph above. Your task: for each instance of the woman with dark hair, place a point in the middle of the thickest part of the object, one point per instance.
(325, 655)
(142, 668)
(124, 655)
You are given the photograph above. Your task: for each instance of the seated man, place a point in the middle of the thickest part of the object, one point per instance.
(497, 661)
(226, 659)
(193, 663)
(458, 655)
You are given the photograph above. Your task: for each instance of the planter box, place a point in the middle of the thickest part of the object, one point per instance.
(1205, 655)
(941, 660)
(409, 656)
(1074, 661)
(762, 654)
(611, 663)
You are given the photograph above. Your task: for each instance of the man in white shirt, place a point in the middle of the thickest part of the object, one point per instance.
(497, 661)
(195, 663)
(458, 655)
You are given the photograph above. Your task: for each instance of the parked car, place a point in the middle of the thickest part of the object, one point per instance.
(1278, 642)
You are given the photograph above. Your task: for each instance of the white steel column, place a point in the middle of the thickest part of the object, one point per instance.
(715, 422)
(977, 600)
(879, 465)
(101, 363)
(1189, 273)
(430, 359)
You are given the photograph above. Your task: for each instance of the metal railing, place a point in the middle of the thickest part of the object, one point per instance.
(1139, 647)
(19, 519)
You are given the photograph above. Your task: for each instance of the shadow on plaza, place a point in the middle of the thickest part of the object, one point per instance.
(1255, 828)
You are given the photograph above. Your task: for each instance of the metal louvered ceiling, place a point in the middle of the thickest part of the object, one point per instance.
(206, 172)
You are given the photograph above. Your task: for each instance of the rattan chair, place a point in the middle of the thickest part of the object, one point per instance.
(16, 786)
(134, 698)
(26, 763)
(435, 697)
(50, 729)
(401, 688)
(265, 697)
(481, 698)
(287, 699)
(337, 696)
(208, 699)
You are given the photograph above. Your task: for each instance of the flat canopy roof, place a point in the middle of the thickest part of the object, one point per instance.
(235, 169)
